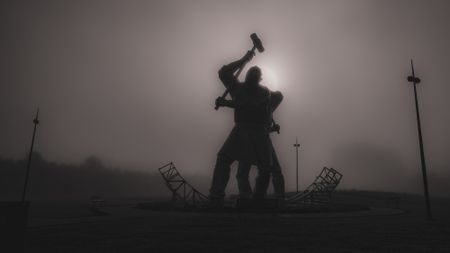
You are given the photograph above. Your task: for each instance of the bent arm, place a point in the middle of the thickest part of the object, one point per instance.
(275, 99)
(226, 73)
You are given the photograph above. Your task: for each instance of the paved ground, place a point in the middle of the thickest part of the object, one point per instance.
(131, 230)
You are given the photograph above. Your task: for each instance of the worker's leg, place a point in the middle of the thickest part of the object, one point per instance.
(277, 178)
(220, 178)
(245, 190)
(262, 182)
(263, 146)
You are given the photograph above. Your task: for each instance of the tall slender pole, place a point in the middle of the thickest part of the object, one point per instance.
(36, 122)
(296, 145)
(415, 80)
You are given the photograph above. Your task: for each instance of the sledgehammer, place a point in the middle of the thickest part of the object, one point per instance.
(257, 44)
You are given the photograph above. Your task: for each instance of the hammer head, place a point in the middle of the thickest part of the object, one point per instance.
(257, 42)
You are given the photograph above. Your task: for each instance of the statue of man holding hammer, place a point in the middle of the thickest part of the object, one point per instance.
(249, 141)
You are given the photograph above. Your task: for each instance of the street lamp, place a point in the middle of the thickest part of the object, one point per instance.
(415, 80)
(296, 145)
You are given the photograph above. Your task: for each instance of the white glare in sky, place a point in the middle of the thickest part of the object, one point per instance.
(269, 78)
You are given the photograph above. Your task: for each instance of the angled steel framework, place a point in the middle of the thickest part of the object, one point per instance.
(319, 192)
(182, 192)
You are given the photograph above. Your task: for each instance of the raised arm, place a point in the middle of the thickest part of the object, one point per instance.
(227, 72)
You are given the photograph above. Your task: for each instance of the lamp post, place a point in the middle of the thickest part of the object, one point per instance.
(415, 80)
(296, 145)
(36, 122)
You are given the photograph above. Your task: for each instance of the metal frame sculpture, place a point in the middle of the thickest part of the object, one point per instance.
(182, 192)
(319, 192)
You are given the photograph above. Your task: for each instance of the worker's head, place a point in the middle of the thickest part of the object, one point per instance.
(253, 76)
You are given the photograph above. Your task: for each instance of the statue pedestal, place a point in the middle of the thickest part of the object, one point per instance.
(259, 205)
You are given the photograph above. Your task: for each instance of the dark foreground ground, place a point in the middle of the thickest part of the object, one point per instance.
(72, 228)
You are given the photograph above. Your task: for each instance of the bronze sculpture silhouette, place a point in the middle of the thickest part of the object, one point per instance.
(249, 141)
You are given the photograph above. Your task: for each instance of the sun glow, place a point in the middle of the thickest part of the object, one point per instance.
(269, 78)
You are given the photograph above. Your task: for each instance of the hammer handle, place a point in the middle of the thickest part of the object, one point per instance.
(225, 93)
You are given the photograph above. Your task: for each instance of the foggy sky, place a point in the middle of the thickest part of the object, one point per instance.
(134, 83)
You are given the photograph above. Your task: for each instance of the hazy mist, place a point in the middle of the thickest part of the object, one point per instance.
(134, 83)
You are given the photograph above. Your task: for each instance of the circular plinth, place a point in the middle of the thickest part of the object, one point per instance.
(253, 206)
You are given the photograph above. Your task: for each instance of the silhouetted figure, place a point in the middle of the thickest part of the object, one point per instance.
(242, 175)
(249, 141)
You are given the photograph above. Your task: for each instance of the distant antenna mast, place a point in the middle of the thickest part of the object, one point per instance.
(36, 122)
(415, 80)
